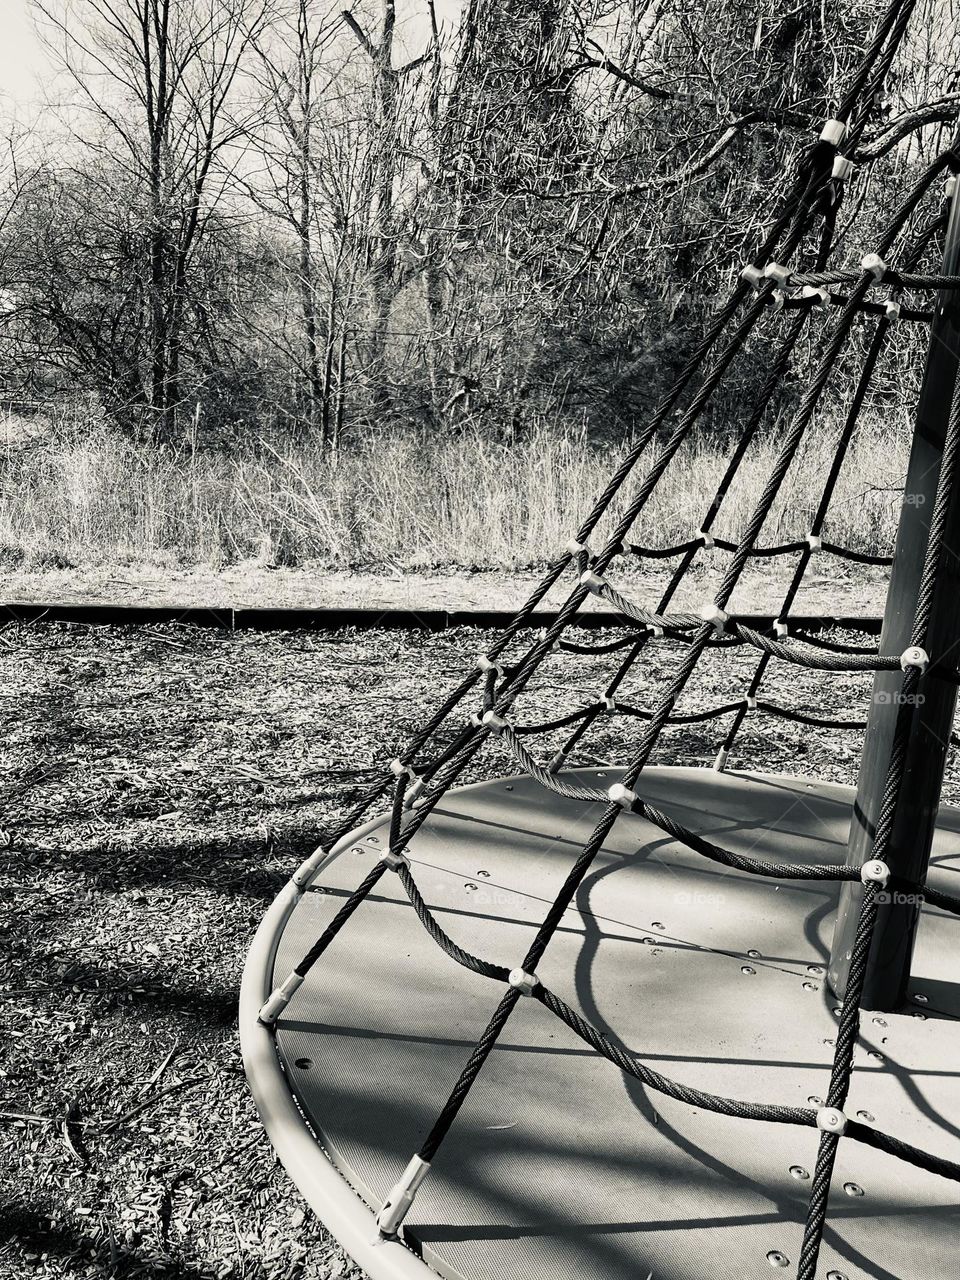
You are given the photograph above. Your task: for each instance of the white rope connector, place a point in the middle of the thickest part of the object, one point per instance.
(873, 263)
(486, 664)
(833, 131)
(915, 657)
(490, 720)
(398, 769)
(822, 295)
(753, 276)
(524, 982)
(542, 635)
(814, 542)
(842, 168)
(556, 763)
(280, 999)
(778, 274)
(950, 187)
(308, 867)
(750, 702)
(713, 614)
(778, 300)
(707, 539)
(608, 702)
(576, 548)
(892, 308)
(622, 795)
(781, 629)
(875, 872)
(831, 1120)
(397, 1204)
(721, 761)
(394, 860)
(412, 793)
(593, 581)
(657, 632)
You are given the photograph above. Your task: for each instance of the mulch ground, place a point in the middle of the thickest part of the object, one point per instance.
(157, 787)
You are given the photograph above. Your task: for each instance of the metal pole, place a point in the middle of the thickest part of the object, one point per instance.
(888, 969)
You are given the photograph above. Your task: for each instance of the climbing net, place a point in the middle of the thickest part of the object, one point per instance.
(775, 283)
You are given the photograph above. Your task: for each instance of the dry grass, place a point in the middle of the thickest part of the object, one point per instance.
(83, 496)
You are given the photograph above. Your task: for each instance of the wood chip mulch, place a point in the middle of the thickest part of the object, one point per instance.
(157, 787)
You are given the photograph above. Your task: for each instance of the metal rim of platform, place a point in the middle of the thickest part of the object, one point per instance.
(328, 1191)
(320, 1183)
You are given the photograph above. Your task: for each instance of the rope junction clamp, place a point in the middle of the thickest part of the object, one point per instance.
(721, 761)
(753, 276)
(915, 657)
(707, 539)
(608, 702)
(394, 860)
(486, 664)
(657, 632)
(398, 1202)
(842, 168)
(814, 542)
(822, 295)
(490, 720)
(834, 132)
(831, 1120)
(751, 702)
(781, 629)
(950, 187)
(891, 309)
(398, 769)
(875, 872)
(542, 635)
(412, 793)
(592, 581)
(778, 274)
(622, 795)
(873, 263)
(522, 981)
(308, 867)
(713, 614)
(280, 999)
(576, 548)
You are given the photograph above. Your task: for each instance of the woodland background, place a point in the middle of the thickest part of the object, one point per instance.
(392, 282)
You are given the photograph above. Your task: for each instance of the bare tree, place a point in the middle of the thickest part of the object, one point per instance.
(156, 77)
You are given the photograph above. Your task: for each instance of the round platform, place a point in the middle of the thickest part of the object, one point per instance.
(558, 1165)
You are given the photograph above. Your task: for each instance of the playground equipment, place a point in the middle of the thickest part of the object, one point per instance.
(517, 1028)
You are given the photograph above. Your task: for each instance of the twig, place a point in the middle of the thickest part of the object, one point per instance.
(161, 1069)
(135, 1111)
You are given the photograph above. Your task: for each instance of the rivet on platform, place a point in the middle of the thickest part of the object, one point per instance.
(810, 986)
(753, 952)
(747, 968)
(485, 874)
(657, 924)
(853, 1189)
(817, 1102)
(920, 998)
(836, 1275)
(866, 1115)
(799, 1172)
(778, 1259)
(470, 887)
(814, 968)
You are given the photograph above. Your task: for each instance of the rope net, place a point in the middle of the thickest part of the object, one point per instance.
(790, 288)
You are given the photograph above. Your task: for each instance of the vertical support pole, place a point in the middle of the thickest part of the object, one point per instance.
(888, 969)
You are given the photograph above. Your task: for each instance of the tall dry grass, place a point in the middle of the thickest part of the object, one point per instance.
(77, 496)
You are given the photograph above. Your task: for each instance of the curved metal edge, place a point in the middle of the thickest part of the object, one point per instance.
(324, 1189)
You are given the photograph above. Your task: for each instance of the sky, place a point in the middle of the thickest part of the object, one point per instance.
(25, 68)
(23, 62)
